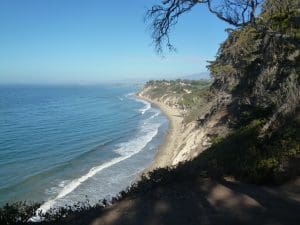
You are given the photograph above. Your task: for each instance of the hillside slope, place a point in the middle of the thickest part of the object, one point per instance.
(250, 114)
(182, 100)
(238, 134)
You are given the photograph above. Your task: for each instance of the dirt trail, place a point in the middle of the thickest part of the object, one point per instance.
(198, 200)
(207, 201)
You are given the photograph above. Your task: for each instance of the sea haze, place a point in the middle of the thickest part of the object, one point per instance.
(61, 144)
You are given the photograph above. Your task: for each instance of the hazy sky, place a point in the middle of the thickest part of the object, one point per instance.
(89, 41)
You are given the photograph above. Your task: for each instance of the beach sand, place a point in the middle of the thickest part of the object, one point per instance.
(165, 154)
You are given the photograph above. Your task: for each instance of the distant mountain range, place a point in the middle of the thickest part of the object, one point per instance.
(196, 76)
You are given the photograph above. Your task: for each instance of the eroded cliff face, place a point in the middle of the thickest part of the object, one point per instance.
(190, 137)
(253, 100)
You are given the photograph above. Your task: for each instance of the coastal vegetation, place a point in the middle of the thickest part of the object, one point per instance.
(256, 89)
(254, 94)
(189, 95)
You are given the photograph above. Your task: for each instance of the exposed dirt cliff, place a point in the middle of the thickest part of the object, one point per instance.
(248, 119)
(187, 137)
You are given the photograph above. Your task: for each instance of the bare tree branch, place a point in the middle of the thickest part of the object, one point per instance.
(165, 15)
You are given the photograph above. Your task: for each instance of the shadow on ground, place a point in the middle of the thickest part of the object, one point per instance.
(202, 201)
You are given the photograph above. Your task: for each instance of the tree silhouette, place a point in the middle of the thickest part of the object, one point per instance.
(163, 16)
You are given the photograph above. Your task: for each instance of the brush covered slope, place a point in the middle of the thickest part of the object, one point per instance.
(250, 113)
(249, 119)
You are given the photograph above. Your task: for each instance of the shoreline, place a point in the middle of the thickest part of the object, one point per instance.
(165, 152)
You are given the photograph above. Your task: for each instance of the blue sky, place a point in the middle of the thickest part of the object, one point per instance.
(91, 41)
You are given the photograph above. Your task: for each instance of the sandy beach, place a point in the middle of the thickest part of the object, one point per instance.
(165, 154)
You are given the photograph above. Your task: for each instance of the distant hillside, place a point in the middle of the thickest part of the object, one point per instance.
(196, 76)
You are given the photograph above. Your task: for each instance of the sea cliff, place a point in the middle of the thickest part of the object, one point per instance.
(185, 139)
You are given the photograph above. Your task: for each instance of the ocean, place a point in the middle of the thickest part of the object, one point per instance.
(64, 144)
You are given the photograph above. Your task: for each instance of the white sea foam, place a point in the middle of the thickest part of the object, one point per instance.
(126, 150)
(153, 116)
(130, 94)
(146, 107)
(138, 143)
(147, 104)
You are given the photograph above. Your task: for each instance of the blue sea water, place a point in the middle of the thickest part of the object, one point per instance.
(63, 144)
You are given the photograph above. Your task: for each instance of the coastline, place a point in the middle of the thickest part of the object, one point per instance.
(165, 153)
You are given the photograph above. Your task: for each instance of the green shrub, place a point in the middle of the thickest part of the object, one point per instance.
(17, 212)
